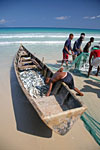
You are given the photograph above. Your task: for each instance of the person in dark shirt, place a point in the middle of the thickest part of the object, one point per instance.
(77, 46)
(87, 46)
(66, 49)
(65, 77)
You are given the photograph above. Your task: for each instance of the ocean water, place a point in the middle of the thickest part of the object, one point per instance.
(43, 42)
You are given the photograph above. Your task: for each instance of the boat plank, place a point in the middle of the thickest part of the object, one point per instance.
(49, 105)
(26, 62)
(27, 67)
(26, 59)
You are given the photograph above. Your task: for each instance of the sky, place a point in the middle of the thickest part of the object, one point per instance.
(50, 13)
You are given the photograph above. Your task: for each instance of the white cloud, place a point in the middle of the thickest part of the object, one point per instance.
(3, 21)
(92, 17)
(98, 16)
(86, 17)
(63, 17)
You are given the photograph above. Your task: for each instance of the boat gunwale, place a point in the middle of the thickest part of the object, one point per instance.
(67, 112)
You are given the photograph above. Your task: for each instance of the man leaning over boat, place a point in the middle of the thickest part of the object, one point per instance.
(65, 77)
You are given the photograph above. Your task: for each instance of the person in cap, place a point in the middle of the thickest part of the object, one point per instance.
(65, 77)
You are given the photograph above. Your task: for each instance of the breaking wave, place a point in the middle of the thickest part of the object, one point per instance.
(57, 35)
(32, 42)
(37, 42)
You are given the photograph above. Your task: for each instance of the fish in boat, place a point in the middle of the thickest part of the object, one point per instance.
(62, 108)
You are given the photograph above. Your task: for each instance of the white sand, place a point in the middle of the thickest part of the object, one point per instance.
(22, 129)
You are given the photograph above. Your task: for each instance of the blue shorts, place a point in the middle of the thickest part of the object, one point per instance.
(68, 80)
(76, 53)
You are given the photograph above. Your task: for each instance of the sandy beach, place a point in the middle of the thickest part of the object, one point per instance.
(21, 127)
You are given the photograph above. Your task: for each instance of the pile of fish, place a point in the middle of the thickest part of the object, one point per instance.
(34, 83)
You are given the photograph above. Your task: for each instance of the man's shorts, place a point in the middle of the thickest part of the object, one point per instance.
(68, 80)
(96, 62)
(75, 52)
(65, 56)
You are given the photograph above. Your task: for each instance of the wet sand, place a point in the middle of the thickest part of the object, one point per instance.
(22, 129)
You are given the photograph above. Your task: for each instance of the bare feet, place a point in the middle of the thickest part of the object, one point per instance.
(96, 74)
(78, 91)
(81, 94)
(88, 76)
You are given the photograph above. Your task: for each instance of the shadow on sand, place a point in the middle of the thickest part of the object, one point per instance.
(94, 83)
(53, 66)
(27, 119)
(91, 81)
(56, 67)
(90, 88)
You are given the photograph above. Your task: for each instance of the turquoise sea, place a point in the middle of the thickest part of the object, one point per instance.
(44, 42)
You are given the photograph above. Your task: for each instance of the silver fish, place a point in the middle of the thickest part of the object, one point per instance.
(34, 82)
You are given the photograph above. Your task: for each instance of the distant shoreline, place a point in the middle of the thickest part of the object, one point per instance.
(47, 28)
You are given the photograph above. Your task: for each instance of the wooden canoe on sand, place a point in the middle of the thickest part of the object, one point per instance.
(61, 109)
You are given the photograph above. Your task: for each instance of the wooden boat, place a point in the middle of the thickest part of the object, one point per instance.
(61, 109)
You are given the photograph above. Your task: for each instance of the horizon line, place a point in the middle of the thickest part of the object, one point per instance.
(52, 27)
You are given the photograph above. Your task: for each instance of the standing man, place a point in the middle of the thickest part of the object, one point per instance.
(86, 50)
(67, 48)
(77, 46)
(87, 46)
(96, 60)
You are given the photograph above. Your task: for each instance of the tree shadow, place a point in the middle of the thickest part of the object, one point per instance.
(88, 88)
(78, 73)
(56, 67)
(91, 82)
(27, 119)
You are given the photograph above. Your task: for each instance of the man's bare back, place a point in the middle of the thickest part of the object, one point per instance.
(65, 77)
(58, 76)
